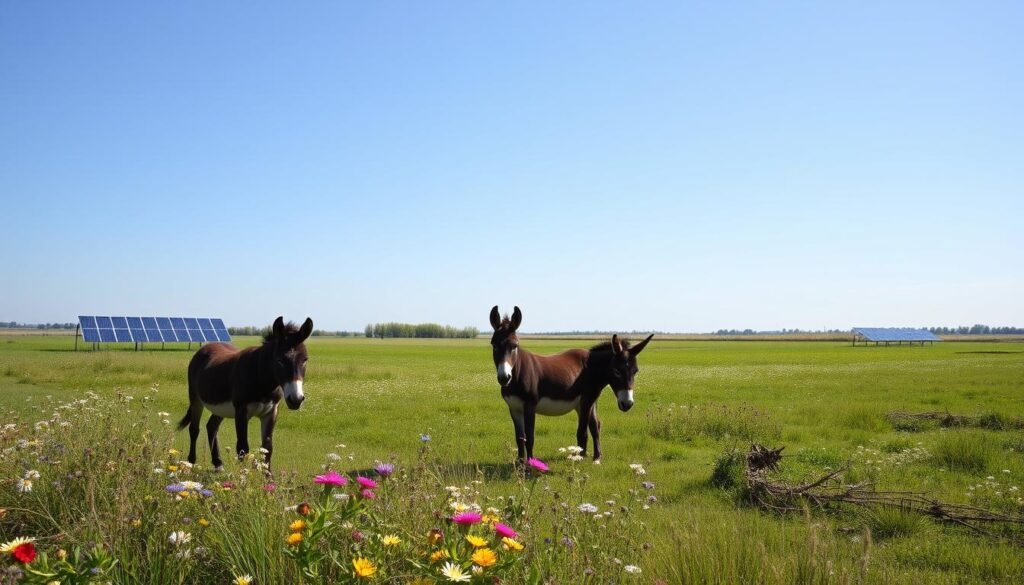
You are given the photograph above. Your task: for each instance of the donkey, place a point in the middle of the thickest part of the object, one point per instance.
(554, 385)
(243, 383)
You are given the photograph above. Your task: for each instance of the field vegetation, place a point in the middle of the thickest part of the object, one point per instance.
(92, 433)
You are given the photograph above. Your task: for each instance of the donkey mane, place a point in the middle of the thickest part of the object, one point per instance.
(607, 345)
(289, 328)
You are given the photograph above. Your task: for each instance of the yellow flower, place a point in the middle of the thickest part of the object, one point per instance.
(390, 540)
(136, 522)
(172, 468)
(484, 557)
(173, 452)
(297, 526)
(489, 518)
(437, 555)
(363, 568)
(203, 522)
(242, 580)
(294, 539)
(476, 541)
(511, 544)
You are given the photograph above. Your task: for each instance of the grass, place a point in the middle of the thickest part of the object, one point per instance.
(826, 402)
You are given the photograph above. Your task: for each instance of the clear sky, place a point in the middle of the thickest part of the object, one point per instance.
(672, 166)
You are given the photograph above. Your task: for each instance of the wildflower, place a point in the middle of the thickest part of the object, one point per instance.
(332, 478)
(21, 549)
(341, 497)
(638, 469)
(435, 536)
(537, 464)
(587, 508)
(333, 457)
(363, 568)
(484, 557)
(297, 526)
(368, 494)
(242, 580)
(269, 487)
(466, 518)
(203, 522)
(454, 573)
(172, 468)
(633, 569)
(366, 482)
(179, 537)
(294, 539)
(511, 544)
(390, 540)
(23, 485)
(437, 555)
(648, 485)
(31, 474)
(384, 469)
(476, 541)
(424, 437)
(357, 536)
(504, 531)
(302, 509)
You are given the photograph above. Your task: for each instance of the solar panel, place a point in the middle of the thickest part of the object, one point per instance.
(152, 329)
(895, 334)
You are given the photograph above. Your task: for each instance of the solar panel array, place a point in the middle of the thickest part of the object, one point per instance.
(152, 329)
(895, 334)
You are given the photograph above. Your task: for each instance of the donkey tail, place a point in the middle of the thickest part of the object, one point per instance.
(185, 419)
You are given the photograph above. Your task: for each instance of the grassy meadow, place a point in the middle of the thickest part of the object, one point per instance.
(371, 401)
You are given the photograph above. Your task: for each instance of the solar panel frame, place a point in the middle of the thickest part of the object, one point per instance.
(119, 322)
(115, 329)
(104, 323)
(87, 322)
(139, 335)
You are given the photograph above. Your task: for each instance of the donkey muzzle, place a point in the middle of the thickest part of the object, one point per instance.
(625, 398)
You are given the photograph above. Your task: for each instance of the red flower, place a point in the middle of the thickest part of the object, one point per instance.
(25, 553)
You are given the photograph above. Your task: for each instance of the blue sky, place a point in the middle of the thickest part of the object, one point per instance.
(668, 166)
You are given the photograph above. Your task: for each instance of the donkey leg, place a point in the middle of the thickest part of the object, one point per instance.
(529, 418)
(194, 415)
(267, 430)
(242, 431)
(517, 422)
(212, 426)
(595, 430)
(583, 414)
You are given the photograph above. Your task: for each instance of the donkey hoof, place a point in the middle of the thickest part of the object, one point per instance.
(597, 462)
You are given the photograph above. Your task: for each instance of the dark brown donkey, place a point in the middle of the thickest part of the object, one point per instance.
(243, 383)
(554, 385)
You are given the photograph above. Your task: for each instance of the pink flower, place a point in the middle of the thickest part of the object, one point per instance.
(504, 531)
(537, 464)
(269, 487)
(466, 518)
(331, 478)
(368, 494)
(366, 482)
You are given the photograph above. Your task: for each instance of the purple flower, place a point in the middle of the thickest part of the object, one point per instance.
(175, 488)
(366, 482)
(648, 485)
(384, 469)
(332, 478)
(504, 531)
(537, 464)
(466, 518)
(368, 494)
(425, 438)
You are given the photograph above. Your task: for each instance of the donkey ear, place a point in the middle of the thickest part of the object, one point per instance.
(615, 344)
(278, 327)
(640, 346)
(517, 318)
(305, 330)
(495, 318)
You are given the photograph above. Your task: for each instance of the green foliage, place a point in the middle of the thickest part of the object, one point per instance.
(894, 521)
(422, 330)
(969, 451)
(717, 422)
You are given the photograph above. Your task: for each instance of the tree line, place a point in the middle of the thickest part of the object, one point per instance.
(424, 330)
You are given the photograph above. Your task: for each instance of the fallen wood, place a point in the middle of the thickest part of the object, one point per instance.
(774, 494)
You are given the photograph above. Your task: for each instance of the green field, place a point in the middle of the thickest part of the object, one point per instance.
(826, 402)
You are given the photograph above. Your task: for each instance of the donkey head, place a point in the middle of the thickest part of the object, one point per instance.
(288, 358)
(505, 343)
(624, 369)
